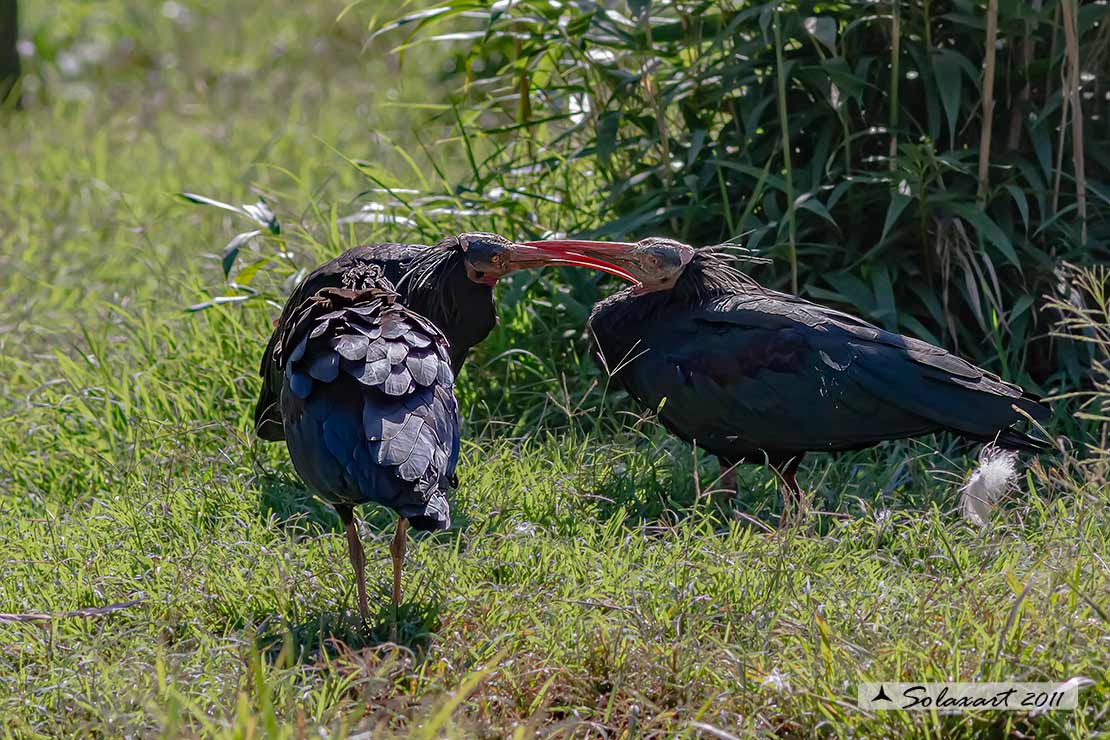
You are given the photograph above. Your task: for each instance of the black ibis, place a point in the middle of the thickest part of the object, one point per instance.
(363, 383)
(369, 410)
(757, 376)
(450, 283)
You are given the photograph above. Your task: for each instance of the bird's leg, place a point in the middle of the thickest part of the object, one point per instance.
(358, 560)
(728, 477)
(397, 550)
(792, 498)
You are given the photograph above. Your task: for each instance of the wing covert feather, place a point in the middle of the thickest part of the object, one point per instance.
(382, 433)
(751, 373)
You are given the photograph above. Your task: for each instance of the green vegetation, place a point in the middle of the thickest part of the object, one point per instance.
(593, 586)
(860, 143)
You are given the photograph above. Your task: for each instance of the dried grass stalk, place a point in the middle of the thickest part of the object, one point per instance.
(895, 58)
(1018, 112)
(1071, 39)
(988, 98)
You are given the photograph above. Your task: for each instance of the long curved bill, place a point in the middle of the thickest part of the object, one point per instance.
(570, 252)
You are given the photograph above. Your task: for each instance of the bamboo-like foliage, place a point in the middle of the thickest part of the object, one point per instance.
(897, 155)
(1087, 322)
(784, 122)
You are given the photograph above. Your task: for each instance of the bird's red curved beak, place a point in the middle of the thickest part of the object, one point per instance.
(571, 252)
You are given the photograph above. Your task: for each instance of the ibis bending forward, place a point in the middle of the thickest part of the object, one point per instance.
(369, 410)
(757, 376)
(357, 377)
(450, 283)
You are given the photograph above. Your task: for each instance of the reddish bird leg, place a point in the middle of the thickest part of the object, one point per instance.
(397, 550)
(358, 561)
(792, 499)
(728, 478)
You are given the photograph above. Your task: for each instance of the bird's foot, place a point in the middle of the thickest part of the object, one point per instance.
(794, 507)
(790, 517)
(795, 510)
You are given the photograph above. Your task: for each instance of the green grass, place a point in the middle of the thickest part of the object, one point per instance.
(585, 590)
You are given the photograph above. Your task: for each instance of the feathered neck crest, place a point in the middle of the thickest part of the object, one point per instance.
(430, 272)
(427, 283)
(712, 272)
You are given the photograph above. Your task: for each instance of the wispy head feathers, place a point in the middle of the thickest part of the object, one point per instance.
(738, 252)
(713, 271)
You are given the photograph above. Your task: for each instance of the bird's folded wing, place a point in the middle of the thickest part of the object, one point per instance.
(837, 332)
(394, 368)
(774, 372)
(393, 258)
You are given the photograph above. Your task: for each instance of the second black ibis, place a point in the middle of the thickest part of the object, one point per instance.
(753, 375)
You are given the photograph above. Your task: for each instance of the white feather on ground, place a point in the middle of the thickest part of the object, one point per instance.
(988, 483)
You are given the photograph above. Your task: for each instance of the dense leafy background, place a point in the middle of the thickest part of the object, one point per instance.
(844, 139)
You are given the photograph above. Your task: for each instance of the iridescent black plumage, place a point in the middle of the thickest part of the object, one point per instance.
(431, 280)
(368, 407)
(754, 375)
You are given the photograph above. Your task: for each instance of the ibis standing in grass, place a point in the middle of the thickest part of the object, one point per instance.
(359, 383)
(368, 409)
(757, 376)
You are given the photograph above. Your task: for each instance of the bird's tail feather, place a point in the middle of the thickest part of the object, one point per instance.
(1012, 439)
(434, 514)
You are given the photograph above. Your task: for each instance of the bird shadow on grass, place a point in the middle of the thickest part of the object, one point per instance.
(328, 635)
(666, 491)
(285, 501)
(656, 485)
